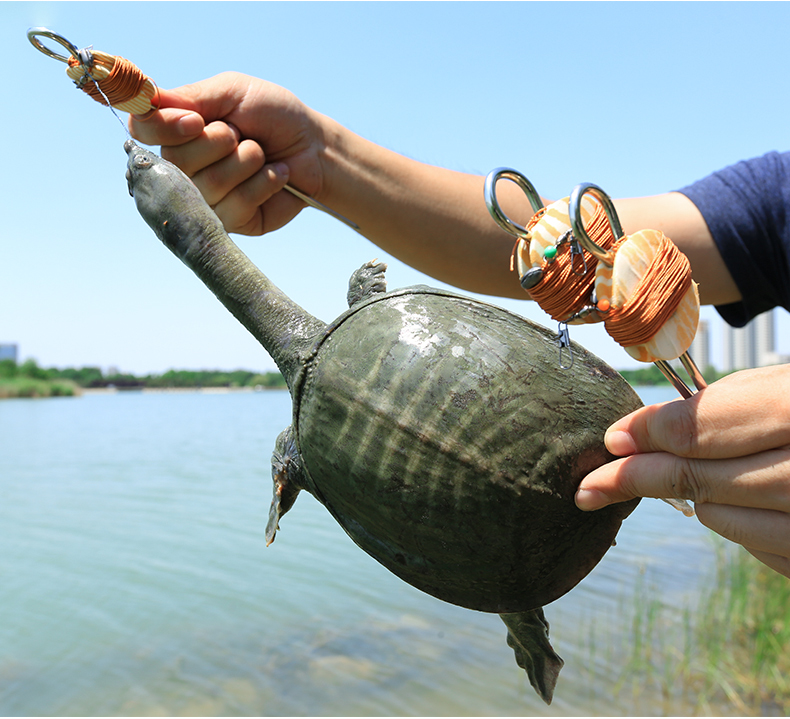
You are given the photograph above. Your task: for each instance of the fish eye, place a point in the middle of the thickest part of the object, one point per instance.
(141, 161)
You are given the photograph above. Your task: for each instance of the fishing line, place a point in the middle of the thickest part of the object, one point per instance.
(107, 102)
(109, 79)
(655, 318)
(654, 299)
(119, 83)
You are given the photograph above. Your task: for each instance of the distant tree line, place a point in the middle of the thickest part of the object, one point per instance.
(650, 375)
(91, 377)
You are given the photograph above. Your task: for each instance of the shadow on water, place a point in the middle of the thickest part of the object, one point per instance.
(136, 582)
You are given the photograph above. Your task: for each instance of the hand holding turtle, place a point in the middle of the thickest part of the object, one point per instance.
(239, 139)
(727, 448)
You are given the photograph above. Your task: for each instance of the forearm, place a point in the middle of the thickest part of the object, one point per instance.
(679, 219)
(431, 218)
(436, 221)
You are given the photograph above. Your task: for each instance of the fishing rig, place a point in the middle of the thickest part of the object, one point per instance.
(575, 261)
(117, 83)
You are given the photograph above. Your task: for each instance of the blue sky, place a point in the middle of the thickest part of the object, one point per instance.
(640, 98)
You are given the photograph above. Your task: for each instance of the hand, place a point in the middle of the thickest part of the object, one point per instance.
(727, 448)
(240, 139)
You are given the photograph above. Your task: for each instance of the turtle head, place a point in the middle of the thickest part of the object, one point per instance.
(287, 478)
(177, 212)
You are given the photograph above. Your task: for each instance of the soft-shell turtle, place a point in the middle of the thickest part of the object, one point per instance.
(438, 430)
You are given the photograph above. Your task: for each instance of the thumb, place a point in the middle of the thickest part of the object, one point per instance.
(173, 123)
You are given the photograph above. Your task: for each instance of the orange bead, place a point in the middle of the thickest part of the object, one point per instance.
(603, 305)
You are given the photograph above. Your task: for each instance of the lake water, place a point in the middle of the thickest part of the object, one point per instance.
(135, 580)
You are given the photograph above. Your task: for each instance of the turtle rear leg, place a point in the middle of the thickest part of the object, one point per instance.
(528, 634)
(367, 281)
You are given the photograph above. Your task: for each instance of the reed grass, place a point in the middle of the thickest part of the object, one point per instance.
(727, 654)
(14, 387)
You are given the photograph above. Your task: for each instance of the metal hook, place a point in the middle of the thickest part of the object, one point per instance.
(492, 204)
(33, 34)
(576, 251)
(579, 231)
(564, 342)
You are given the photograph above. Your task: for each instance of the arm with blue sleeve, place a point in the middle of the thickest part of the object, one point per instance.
(745, 207)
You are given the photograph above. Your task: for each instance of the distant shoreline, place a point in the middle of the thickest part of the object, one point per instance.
(28, 380)
(75, 391)
(170, 390)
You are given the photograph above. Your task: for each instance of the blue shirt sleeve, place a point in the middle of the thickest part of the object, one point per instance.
(746, 209)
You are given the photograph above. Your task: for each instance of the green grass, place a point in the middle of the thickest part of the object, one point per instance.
(13, 387)
(728, 653)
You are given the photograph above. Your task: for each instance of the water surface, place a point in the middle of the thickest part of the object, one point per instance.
(135, 581)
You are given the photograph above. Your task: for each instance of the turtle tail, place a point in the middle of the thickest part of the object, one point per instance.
(528, 634)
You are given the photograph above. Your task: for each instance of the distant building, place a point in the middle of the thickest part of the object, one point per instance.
(700, 347)
(765, 340)
(735, 345)
(750, 346)
(9, 351)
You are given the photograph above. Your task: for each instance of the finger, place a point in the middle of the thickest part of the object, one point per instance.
(744, 413)
(217, 141)
(258, 205)
(760, 530)
(166, 127)
(775, 562)
(220, 178)
(759, 481)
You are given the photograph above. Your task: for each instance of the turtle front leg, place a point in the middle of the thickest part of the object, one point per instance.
(286, 475)
(528, 634)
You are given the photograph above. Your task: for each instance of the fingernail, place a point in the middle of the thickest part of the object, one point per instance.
(620, 443)
(189, 125)
(589, 499)
(282, 170)
(235, 130)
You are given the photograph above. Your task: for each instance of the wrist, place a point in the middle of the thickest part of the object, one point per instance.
(349, 166)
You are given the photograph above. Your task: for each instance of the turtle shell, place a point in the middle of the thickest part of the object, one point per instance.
(445, 438)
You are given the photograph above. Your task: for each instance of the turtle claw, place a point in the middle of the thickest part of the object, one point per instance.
(277, 508)
(528, 634)
(273, 525)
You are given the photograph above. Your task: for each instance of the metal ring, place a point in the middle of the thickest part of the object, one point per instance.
(493, 205)
(44, 32)
(579, 231)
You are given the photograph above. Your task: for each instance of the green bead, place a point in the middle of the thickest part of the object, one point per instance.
(550, 253)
